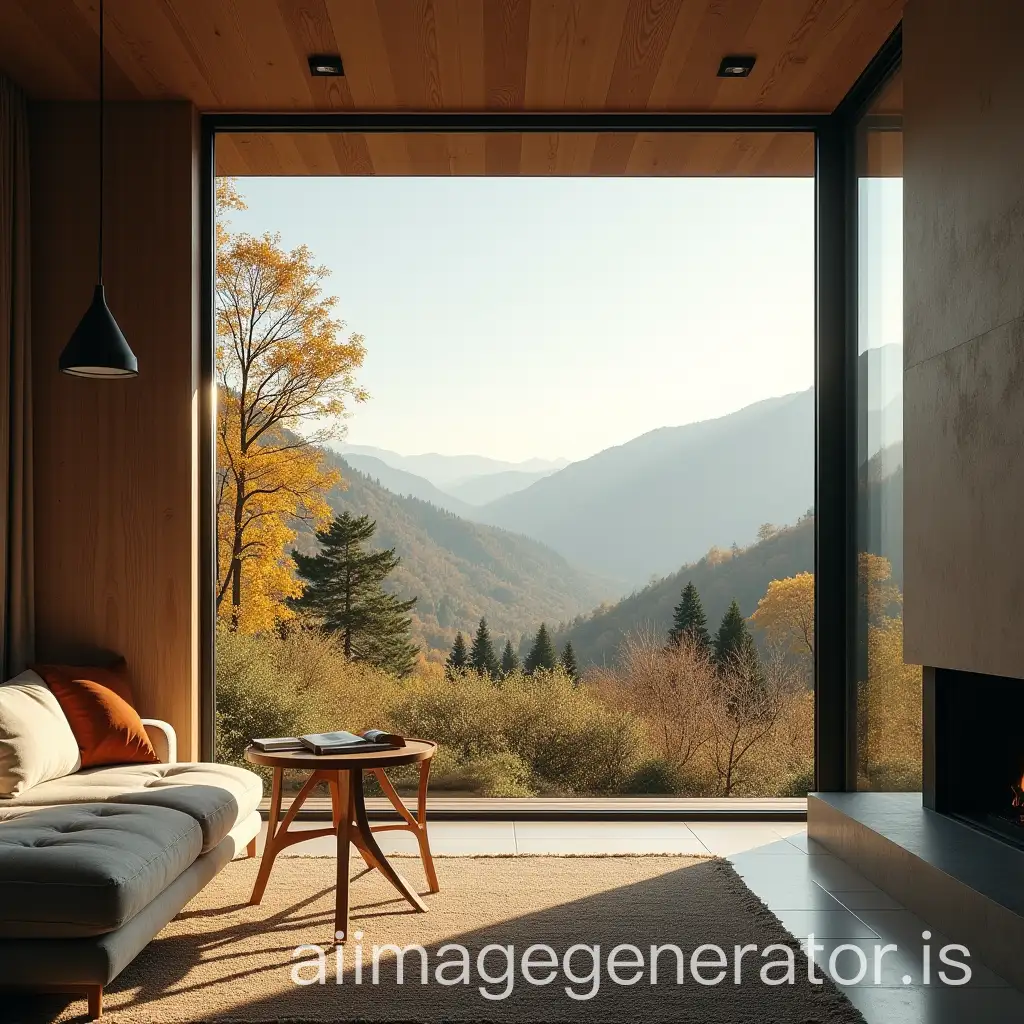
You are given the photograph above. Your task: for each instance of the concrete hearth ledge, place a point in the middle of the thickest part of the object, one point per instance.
(965, 884)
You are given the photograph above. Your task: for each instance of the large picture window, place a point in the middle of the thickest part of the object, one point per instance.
(555, 428)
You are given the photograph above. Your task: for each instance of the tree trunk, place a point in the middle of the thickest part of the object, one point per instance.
(236, 554)
(348, 601)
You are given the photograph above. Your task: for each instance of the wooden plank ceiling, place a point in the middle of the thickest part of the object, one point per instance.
(585, 153)
(459, 55)
(450, 54)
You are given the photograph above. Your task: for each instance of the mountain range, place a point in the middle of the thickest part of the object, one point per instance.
(462, 476)
(554, 543)
(661, 500)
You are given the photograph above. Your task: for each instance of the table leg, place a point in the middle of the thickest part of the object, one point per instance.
(421, 831)
(343, 825)
(269, 848)
(335, 814)
(366, 839)
(418, 824)
(278, 835)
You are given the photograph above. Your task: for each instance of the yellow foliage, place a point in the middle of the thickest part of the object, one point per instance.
(786, 613)
(877, 591)
(286, 373)
(226, 197)
(890, 711)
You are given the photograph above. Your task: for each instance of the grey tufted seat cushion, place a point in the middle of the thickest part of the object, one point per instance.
(218, 796)
(87, 869)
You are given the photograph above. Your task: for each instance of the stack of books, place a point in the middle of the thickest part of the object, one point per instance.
(328, 744)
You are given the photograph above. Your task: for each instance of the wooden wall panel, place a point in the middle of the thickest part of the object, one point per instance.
(115, 461)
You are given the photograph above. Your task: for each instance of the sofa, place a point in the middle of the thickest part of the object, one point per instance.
(95, 862)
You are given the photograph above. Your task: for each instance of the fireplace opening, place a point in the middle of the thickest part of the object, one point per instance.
(974, 750)
(1006, 822)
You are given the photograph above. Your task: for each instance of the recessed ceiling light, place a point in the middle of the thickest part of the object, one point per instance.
(321, 64)
(736, 67)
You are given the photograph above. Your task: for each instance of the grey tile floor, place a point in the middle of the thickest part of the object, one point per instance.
(807, 888)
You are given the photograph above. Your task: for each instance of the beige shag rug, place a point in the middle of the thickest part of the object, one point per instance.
(221, 960)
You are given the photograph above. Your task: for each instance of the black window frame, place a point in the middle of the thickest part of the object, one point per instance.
(835, 741)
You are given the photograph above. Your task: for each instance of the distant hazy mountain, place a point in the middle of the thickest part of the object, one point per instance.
(880, 379)
(744, 576)
(460, 570)
(880, 483)
(487, 487)
(442, 470)
(398, 481)
(663, 499)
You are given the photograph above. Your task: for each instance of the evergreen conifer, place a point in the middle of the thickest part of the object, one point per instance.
(568, 662)
(344, 589)
(689, 621)
(458, 660)
(542, 655)
(509, 660)
(481, 656)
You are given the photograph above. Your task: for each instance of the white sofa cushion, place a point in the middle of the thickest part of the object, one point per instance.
(218, 796)
(36, 741)
(87, 869)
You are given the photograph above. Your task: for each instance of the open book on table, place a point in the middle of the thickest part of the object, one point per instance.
(325, 744)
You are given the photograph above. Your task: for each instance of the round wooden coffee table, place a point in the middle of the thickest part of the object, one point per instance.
(343, 773)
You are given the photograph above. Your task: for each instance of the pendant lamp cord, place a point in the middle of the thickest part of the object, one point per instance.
(102, 105)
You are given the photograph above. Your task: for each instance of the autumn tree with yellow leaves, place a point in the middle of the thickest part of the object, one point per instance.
(889, 703)
(786, 613)
(285, 377)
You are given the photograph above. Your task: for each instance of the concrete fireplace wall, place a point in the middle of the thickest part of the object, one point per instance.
(964, 340)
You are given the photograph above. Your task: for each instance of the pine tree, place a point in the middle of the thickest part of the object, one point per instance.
(568, 662)
(509, 660)
(689, 621)
(458, 660)
(344, 589)
(542, 655)
(733, 638)
(482, 657)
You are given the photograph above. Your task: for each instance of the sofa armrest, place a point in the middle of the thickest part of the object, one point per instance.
(163, 738)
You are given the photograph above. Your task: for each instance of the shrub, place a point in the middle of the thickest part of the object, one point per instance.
(573, 741)
(460, 713)
(656, 777)
(799, 784)
(544, 733)
(502, 774)
(655, 725)
(251, 700)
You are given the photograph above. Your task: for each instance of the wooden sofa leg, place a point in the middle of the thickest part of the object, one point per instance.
(250, 850)
(94, 994)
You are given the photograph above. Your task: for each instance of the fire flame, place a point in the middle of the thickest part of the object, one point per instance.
(1018, 794)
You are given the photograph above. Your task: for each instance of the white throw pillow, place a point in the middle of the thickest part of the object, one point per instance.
(36, 741)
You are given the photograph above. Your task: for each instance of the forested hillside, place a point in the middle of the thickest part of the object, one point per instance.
(719, 577)
(460, 571)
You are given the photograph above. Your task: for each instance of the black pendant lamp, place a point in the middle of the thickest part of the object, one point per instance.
(98, 348)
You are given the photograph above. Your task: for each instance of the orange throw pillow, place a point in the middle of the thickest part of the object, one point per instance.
(98, 705)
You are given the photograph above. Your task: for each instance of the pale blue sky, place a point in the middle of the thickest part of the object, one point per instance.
(520, 317)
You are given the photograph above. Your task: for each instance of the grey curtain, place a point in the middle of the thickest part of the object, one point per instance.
(17, 601)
